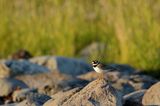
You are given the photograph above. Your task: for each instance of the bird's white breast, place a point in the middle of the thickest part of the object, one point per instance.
(98, 70)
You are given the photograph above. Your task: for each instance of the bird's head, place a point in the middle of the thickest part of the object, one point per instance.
(95, 63)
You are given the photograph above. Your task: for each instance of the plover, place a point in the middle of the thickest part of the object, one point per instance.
(101, 68)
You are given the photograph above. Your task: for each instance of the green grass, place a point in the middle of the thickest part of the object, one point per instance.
(129, 28)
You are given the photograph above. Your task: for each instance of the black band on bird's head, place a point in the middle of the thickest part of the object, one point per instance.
(95, 63)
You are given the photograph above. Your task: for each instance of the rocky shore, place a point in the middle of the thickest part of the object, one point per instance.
(60, 81)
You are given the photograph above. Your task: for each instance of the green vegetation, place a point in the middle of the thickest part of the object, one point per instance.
(129, 28)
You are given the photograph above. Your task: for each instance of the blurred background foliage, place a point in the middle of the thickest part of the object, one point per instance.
(129, 28)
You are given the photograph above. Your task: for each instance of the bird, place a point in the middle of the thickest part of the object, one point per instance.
(102, 68)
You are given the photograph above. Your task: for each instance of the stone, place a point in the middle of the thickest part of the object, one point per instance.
(47, 61)
(21, 67)
(96, 93)
(10, 104)
(152, 95)
(5, 72)
(89, 76)
(43, 80)
(64, 65)
(141, 81)
(34, 99)
(22, 94)
(134, 98)
(123, 85)
(52, 82)
(62, 96)
(123, 80)
(8, 85)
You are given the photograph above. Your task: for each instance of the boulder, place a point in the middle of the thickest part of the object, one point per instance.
(64, 65)
(152, 95)
(34, 99)
(96, 93)
(134, 98)
(8, 85)
(21, 67)
(123, 80)
(52, 82)
(22, 94)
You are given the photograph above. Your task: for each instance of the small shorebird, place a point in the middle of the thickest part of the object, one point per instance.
(101, 68)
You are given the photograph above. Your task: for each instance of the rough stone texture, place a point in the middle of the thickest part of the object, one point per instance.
(5, 72)
(22, 94)
(125, 79)
(21, 67)
(96, 93)
(8, 85)
(52, 82)
(48, 61)
(134, 98)
(12, 104)
(62, 96)
(43, 79)
(65, 65)
(34, 100)
(152, 95)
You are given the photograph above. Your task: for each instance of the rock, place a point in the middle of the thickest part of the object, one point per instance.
(47, 61)
(8, 85)
(11, 104)
(62, 96)
(22, 67)
(96, 93)
(64, 85)
(134, 98)
(123, 86)
(52, 82)
(34, 99)
(43, 79)
(89, 76)
(64, 65)
(97, 49)
(5, 72)
(73, 83)
(152, 95)
(21, 54)
(22, 94)
(125, 81)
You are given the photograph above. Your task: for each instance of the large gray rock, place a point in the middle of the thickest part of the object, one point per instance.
(21, 67)
(65, 65)
(22, 94)
(34, 99)
(96, 93)
(152, 95)
(125, 81)
(7, 86)
(43, 79)
(52, 82)
(134, 98)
